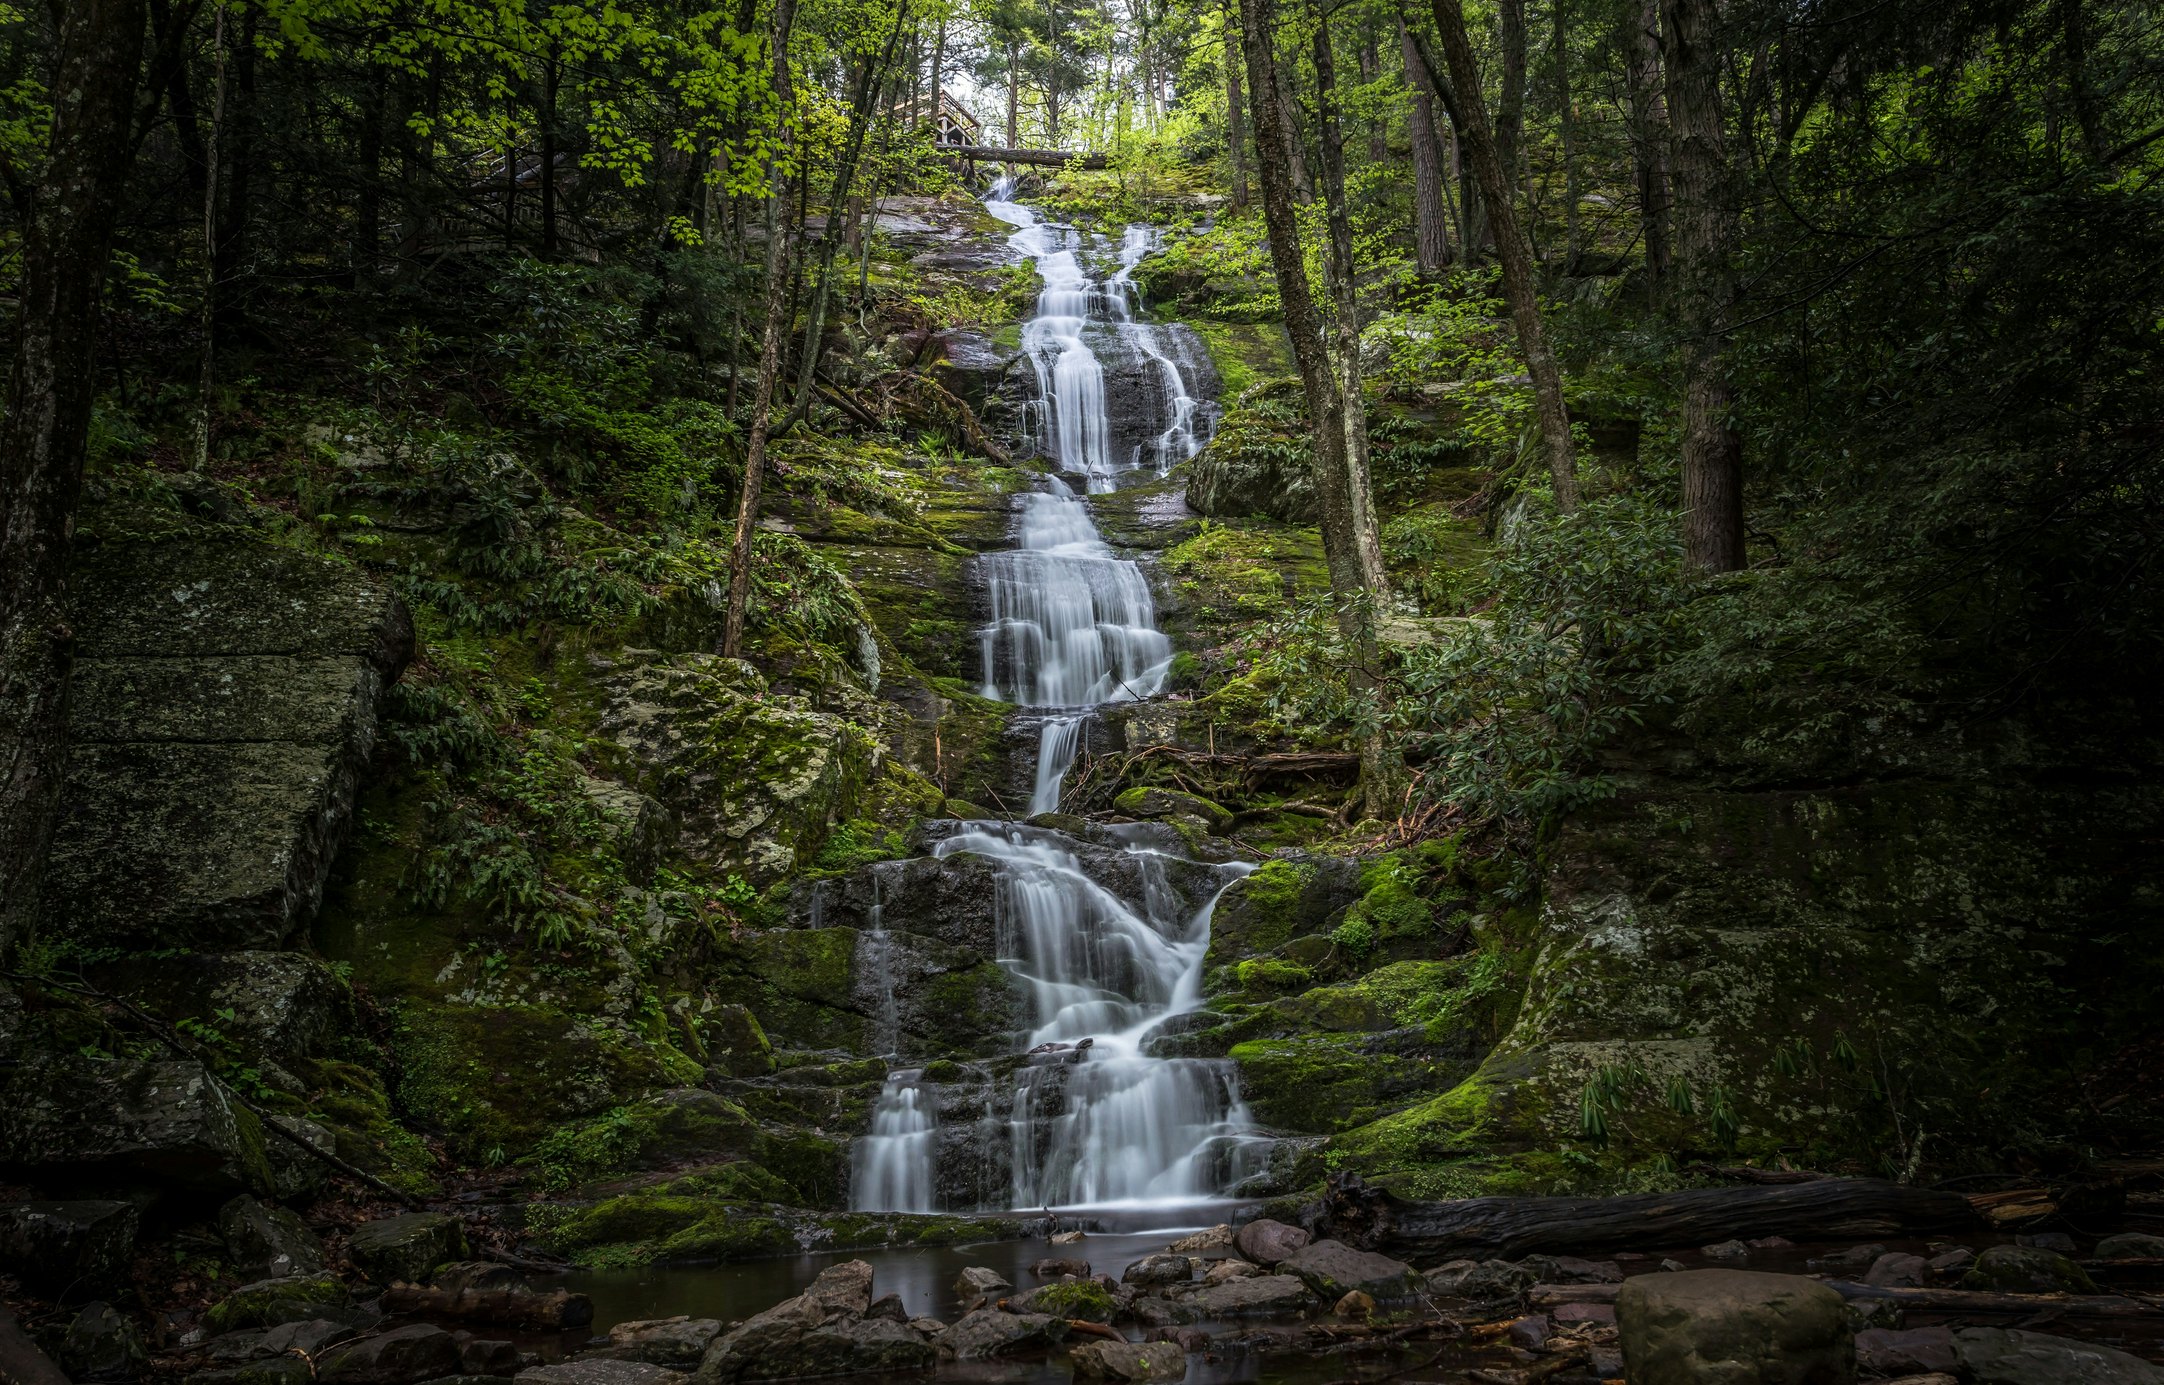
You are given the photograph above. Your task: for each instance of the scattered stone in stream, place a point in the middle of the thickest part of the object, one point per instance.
(677, 1341)
(490, 1356)
(1899, 1351)
(1333, 1269)
(1478, 1279)
(1068, 1238)
(1716, 1327)
(2058, 1242)
(2131, 1245)
(1059, 1269)
(595, 1370)
(1268, 1242)
(1895, 1270)
(1951, 1264)
(1268, 1295)
(1355, 1306)
(268, 1242)
(977, 1284)
(1230, 1269)
(1531, 1333)
(405, 1247)
(1153, 1270)
(463, 1276)
(2001, 1356)
(888, 1308)
(1566, 1269)
(988, 1332)
(1128, 1361)
(1726, 1253)
(102, 1345)
(62, 1247)
(1218, 1238)
(1088, 1299)
(402, 1356)
(2027, 1270)
(1853, 1261)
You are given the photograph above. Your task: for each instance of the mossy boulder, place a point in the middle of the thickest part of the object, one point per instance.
(829, 988)
(1151, 802)
(1284, 898)
(77, 1121)
(753, 779)
(735, 1042)
(269, 1302)
(1324, 1083)
(1260, 461)
(406, 1247)
(1072, 1298)
(2027, 1270)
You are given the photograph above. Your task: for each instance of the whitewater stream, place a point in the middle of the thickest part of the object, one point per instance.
(1104, 937)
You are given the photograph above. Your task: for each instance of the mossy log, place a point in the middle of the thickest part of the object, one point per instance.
(1509, 1227)
(1042, 158)
(1963, 1301)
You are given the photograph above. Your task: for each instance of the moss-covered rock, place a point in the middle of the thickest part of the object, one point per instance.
(1283, 899)
(686, 1221)
(270, 1302)
(1324, 1083)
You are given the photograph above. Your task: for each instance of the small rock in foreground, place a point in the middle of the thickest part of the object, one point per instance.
(1715, 1327)
(1128, 1361)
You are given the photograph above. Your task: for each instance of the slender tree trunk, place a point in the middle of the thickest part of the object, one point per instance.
(1431, 217)
(1342, 276)
(1235, 115)
(1713, 539)
(939, 61)
(235, 199)
(1510, 101)
(1014, 98)
(777, 323)
(1649, 135)
(1275, 140)
(1573, 242)
(1370, 66)
(1512, 248)
(206, 380)
(51, 384)
(368, 204)
(551, 76)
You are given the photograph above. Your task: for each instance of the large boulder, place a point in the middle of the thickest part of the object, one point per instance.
(284, 1005)
(1332, 1269)
(823, 1331)
(268, 1242)
(1716, 1327)
(2001, 1356)
(988, 1332)
(1257, 1296)
(269, 1302)
(1152, 1271)
(223, 707)
(401, 1356)
(406, 1247)
(2131, 1245)
(678, 1341)
(1267, 1242)
(75, 1121)
(1257, 465)
(59, 1247)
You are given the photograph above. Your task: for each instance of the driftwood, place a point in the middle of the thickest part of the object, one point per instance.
(549, 1312)
(1043, 158)
(1509, 1227)
(1083, 1327)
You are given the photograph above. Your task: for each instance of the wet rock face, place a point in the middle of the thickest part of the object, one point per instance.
(224, 703)
(268, 1242)
(1709, 1327)
(59, 1247)
(406, 1247)
(829, 1329)
(751, 778)
(1332, 1269)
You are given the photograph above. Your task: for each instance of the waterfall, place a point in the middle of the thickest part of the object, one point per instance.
(1090, 1118)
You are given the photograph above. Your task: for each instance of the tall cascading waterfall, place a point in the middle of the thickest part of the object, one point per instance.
(1092, 1119)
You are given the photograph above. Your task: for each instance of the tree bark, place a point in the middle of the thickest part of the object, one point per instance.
(1649, 135)
(1704, 286)
(1512, 249)
(1573, 241)
(777, 322)
(206, 379)
(1342, 276)
(1235, 115)
(1431, 218)
(1510, 100)
(1510, 1227)
(51, 385)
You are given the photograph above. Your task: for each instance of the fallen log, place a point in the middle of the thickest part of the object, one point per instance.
(549, 1312)
(1510, 1227)
(1922, 1300)
(1042, 158)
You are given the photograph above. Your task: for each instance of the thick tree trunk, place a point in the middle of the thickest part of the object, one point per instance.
(1512, 249)
(1431, 217)
(206, 378)
(1511, 1227)
(1235, 114)
(1704, 291)
(51, 384)
(1649, 135)
(1510, 100)
(777, 324)
(1473, 232)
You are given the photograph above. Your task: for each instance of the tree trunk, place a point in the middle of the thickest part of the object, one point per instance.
(1510, 101)
(1511, 1227)
(939, 61)
(1512, 249)
(206, 379)
(1014, 97)
(1649, 135)
(1473, 232)
(1573, 241)
(51, 385)
(368, 203)
(1235, 115)
(777, 315)
(1704, 286)
(1342, 276)
(1431, 218)
(1370, 66)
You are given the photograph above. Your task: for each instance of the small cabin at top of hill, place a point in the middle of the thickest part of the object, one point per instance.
(955, 123)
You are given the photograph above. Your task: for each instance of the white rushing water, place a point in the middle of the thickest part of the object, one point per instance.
(1092, 1119)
